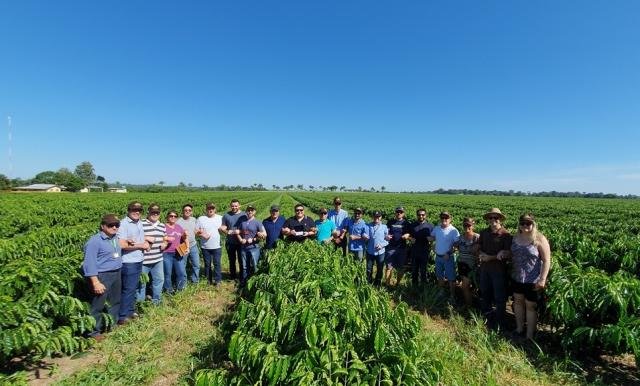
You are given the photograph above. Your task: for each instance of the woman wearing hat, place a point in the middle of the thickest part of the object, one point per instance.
(494, 247)
(531, 261)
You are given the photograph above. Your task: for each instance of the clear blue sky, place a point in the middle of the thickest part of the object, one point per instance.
(412, 95)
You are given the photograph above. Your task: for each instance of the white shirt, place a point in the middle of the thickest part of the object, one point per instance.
(210, 225)
(445, 238)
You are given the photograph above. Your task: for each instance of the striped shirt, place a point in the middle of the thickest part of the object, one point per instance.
(157, 231)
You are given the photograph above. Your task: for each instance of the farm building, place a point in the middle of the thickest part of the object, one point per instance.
(92, 188)
(118, 190)
(48, 188)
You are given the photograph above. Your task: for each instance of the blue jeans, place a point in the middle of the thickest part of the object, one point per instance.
(157, 280)
(110, 299)
(357, 255)
(212, 256)
(379, 260)
(250, 257)
(194, 258)
(130, 275)
(171, 261)
(493, 290)
(234, 252)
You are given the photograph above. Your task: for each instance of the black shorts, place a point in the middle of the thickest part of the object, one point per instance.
(527, 289)
(464, 269)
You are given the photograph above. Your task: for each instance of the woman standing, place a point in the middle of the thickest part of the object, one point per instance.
(531, 262)
(171, 259)
(467, 259)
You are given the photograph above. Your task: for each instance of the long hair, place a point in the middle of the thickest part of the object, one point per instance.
(536, 235)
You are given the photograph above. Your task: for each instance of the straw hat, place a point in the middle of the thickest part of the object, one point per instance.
(494, 211)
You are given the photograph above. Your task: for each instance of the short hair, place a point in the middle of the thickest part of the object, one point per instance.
(234, 200)
(153, 206)
(298, 206)
(169, 213)
(187, 205)
(421, 210)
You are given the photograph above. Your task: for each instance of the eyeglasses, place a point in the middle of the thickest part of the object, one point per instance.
(337, 203)
(172, 216)
(323, 212)
(525, 223)
(493, 218)
(113, 225)
(299, 210)
(399, 211)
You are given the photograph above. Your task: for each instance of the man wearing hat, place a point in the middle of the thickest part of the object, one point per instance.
(445, 237)
(494, 246)
(101, 267)
(396, 252)
(132, 242)
(338, 215)
(326, 228)
(356, 227)
(273, 226)
(376, 240)
(251, 232)
(208, 230)
(155, 233)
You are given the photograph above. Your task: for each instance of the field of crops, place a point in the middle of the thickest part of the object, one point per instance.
(593, 291)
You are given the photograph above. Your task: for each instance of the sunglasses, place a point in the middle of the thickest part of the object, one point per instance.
(136, 210)
(493, 218)
(299, 210)
(171, 215)
(323, 212)
(154, 213)
(399, 211)
(525, 223)
(337, 203)
(113, 224)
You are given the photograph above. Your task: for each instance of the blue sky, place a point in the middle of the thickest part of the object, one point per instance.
(410, 95)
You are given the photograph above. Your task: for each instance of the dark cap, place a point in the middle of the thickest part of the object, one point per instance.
(250, 207)
(109, 218)
(445, 214)
(377, 213)
(399, 208)
(275, 208)
(134, 205)
(358, 210)
(210, 205)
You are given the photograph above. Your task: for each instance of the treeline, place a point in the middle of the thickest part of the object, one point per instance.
(553, 193)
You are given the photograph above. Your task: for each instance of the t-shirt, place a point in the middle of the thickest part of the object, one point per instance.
(248, 230)
(190, 227)
(397, 228)
(157, 232)
(232, 221)
(492, 243)
(421, 231)
(445, 238)
(176, 232)
(299, 226)
(274, 230)
(325, 229)
(466, 249)
(210, 225)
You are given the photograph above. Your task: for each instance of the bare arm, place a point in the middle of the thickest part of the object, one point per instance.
(545, 255)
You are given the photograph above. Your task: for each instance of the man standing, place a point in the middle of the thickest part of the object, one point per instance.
(101, 267)
(338, 215)
(299, 227)
(494, 246)
(273, 226)
(356, 227)
(188, 224)
(231, 227)
(326, 228)
(132, 242)
(445, 237)
(376, 239)
(208, 229)
(396, 252)
(420, 232)
(251, 231)
(154, 233)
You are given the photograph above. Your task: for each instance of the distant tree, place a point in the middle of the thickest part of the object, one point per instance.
(311, 187)
(300, 187)
(161, 183)
(189, 184)
(5, 182)
(181, 184)
(71, 181)
(359, 188)
(86, 172)
(332, 188)
(383, 188)
(342, 188)
(100, 179)
(372, 189)
(105, 187)
(46, 177)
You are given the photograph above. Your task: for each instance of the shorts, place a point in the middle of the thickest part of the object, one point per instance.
(445, 268)
(396, 258)
(465, 270)
(526, 289)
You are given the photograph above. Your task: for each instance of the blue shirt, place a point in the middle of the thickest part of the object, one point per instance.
(325, 229)
(445, 238)
(130, 230)
(377, 236)
(338, 217)
(101, 254)
(274, 230)
(355, 228)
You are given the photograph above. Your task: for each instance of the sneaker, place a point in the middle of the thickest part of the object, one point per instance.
(135, 315)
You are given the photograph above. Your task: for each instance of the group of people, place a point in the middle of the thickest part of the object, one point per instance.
(116, 256)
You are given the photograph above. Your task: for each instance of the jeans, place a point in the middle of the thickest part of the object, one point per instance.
(234, 253)
(250, 257)
(194, 258)
(357, 255)
(109, 299)
(157, 280)
(419, 267)
(130, 276)
(212, 256)
(171, 261)
(493, 288)
(379, 260)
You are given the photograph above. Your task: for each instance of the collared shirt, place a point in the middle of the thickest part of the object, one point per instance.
(445, 239)
(337, 217)
(130, 230)
(355, 228)
(274, 230)
(101, 254)
(325, 229)
(377, 237)
(157, 231)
